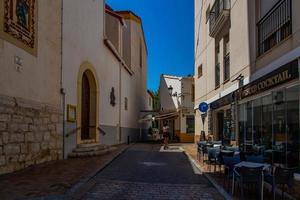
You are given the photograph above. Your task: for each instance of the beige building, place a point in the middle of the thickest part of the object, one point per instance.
(30, 100)
(176, 106)
(246, 69)
(104, 75)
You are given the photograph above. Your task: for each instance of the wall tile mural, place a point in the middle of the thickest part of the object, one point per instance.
(18, 23)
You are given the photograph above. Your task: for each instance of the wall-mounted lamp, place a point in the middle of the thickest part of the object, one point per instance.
(240, 78)
(170, 89)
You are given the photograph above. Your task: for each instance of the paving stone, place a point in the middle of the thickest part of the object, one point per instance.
(5, 117)
(11, 149)
(3, 126)
(145, 172)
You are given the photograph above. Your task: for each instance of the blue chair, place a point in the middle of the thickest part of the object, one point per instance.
(229, 162)
(254, 158)
(250, 176)
(201, 150)
(213, 157)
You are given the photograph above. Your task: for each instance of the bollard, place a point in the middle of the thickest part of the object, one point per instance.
(128, 139)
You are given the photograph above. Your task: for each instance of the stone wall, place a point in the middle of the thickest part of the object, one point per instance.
(30, 133)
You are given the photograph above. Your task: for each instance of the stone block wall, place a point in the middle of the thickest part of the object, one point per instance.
(30, 133)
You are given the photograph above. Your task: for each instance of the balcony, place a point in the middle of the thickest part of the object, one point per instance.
(218, 16)
(275, 26)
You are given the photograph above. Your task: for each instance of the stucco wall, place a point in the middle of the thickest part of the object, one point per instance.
(39, 76)
(30, 100)
(84, 42)
(205, 88)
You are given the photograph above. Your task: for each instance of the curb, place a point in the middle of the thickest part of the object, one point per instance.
(79, 189)
(213, 182)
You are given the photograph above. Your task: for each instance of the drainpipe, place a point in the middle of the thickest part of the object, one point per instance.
(299, 92)
(62, 91)
(120, 85)
(120, 102)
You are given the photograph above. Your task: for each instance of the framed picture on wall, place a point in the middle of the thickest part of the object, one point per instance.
(71, 113)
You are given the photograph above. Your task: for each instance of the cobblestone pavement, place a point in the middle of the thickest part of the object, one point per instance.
(144, 171)
(52, 179)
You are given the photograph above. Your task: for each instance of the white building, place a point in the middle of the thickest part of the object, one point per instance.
(247, 70)
(104, 74)
(177, 106)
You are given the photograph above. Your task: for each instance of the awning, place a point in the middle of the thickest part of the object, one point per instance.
(159, 116)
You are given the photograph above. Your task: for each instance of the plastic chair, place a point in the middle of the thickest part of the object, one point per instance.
(213, 157)
(283, 176)
(249, 175)
(229, 162)
(256, 159)
(201, 150)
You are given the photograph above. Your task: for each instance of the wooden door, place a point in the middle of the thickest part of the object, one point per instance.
(85, 108)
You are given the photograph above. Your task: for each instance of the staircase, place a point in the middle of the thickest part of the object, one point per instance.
(90, 149)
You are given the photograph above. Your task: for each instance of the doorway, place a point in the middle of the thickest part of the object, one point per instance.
(88, 107)
(220, 118)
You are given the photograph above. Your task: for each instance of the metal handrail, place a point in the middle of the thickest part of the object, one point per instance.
(73, 131)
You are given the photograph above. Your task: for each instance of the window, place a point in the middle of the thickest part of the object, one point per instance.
(207, 14)
(199, 71)
(193, 92)
(150, 101)
(217, 67)
(226, 70)
(141, 53)
(190, 124)
(271, 123)
(274, 26)
(126, 103)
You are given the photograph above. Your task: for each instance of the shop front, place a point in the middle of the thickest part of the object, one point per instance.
(221, 119)
(268, 116)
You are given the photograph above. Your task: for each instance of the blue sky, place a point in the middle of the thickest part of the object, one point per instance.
(169, 32)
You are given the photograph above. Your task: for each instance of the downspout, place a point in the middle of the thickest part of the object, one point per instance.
(120, 84)
(62, 91)
(120, 102)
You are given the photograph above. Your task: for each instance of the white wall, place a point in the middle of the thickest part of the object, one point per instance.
(39, 76)
(84, 35)
(169, 103)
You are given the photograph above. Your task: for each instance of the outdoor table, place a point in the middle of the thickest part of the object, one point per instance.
(264, 166)
(227, 152)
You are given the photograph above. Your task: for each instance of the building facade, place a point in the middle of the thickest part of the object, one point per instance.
(31, 130)
(176, 106)
(105, 81)
(259, 56)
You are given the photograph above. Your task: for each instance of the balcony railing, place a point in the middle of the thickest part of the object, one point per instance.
(227, 67)
(275, 26)
(217, 75)
(218, 15)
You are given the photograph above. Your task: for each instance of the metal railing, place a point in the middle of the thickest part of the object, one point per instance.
(275, 26)
(216, 10)
(227, 67)
(217, 75)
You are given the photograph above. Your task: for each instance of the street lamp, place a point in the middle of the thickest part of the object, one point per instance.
(170, 89)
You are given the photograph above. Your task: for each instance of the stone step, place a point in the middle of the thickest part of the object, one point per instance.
(92, 144)
(99, 152)
(90, 148)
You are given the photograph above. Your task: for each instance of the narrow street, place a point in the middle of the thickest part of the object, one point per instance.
(145, 171)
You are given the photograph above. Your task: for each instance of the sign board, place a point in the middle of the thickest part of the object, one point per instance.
(203, 107)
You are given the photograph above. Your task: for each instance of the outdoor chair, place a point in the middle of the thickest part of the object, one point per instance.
(248, 176)
(229, 162)
(201, 149)
(255, 158)
(232, 148)
(213, 157)
(283, 177)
